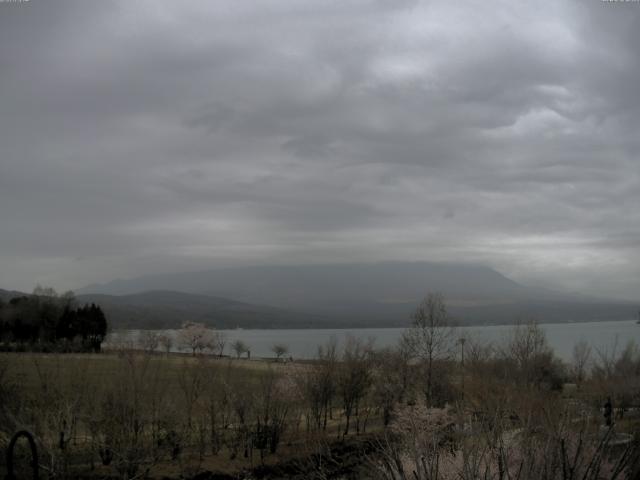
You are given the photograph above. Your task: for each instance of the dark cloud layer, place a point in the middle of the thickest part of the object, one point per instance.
(140, 137)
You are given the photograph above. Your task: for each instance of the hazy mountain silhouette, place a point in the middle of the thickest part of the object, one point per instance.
(304, 283)
(375, 294)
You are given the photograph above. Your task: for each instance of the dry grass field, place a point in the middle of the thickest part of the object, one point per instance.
(179, 414)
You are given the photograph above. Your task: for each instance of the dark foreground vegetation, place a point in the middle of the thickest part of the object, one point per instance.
(435, 407)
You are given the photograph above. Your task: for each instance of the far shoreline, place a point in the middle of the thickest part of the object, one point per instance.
(359, 327)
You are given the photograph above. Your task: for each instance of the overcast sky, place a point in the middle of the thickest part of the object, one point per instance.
(157, 136)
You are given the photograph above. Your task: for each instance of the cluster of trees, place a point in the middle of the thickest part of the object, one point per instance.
(195, 338)
(48, 321)
(513, 409)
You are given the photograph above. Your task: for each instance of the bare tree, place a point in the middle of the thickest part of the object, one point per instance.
(317, 385)
(530, 359)
(604, 363)
(477, 353)
(326, 376)
(279, 349)
(581, 358)
(149, 341)
(166, 342)
(354, 378)
(526, 343)
(628, 363)
(431, 336)
(219, 342)
(239, 347)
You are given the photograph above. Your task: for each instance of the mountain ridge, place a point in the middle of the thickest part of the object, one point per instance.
(191, 279)
(380, 294)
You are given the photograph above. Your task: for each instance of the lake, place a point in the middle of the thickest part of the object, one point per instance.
(303, 343)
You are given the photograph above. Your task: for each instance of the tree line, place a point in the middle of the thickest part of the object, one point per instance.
(47, 321)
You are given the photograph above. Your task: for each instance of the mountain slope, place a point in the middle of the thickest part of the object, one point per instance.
(169, 309)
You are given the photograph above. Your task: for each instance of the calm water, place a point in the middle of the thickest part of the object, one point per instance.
(304, 343)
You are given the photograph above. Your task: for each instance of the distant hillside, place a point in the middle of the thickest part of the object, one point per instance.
(380, 294)
(6, 295)
(169, 309)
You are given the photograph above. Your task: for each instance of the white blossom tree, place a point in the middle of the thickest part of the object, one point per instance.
(196, 337)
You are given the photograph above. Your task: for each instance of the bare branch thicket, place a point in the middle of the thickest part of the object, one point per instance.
(391, 380)
(354, 378)
(240, 398)
(274, 402)
(317, 387)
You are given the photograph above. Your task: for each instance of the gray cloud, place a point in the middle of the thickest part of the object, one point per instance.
(140, 137)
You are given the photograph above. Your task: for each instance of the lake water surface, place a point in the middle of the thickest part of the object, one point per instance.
(303, 343)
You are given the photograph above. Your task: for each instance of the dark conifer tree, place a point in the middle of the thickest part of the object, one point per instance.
(47, 320)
